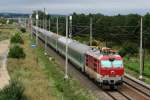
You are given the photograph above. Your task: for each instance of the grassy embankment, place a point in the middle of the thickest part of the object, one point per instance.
(132, 67)
(6, 33)
(44, 79)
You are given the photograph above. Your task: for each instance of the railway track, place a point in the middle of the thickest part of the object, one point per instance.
(124, 93)
(117, 95)
(137, 85)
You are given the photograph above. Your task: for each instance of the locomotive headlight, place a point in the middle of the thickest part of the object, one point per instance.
(117, 76)
(100, 76)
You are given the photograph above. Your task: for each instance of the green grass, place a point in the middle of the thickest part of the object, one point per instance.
(133, 65)
(69, 89)
(6, 33)
(44, 79)
(82, 38)
(36, 83)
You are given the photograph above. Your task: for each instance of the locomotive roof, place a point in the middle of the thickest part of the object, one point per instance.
(96, 53)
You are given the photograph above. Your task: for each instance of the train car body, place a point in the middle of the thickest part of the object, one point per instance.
(106, 69)
(76, 51)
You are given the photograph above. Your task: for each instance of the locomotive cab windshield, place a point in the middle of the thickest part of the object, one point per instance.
(110, 64)
(117, 63)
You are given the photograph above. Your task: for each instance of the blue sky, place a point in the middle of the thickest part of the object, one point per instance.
(109, 7)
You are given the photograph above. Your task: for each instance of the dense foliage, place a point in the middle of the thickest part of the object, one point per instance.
(118, 29)
(2, 21)
(14, 91)
(16, 52)
(113, 30)
(23, 30)
(16, 38)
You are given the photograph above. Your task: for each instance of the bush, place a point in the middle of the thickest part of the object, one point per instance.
(122, 52)
(14, 91)
(16, 38)
(94, 43)
(128, 49)
(23, 30)
(16, 52)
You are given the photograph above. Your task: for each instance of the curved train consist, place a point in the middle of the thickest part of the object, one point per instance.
(104, 66)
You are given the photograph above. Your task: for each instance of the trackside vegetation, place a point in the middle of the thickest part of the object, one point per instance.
(16, 52)
(43, 79)
(23, 30)
(13, 91)
(69, 89)
(6, 33)
(17, 38)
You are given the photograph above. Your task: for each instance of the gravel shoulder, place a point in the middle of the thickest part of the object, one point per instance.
(4, 76)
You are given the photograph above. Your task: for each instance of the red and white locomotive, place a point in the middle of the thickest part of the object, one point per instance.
(105, 66)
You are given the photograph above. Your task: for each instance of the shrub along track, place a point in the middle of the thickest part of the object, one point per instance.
(123, 93)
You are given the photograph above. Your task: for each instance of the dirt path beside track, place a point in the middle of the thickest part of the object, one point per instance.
(4, 76)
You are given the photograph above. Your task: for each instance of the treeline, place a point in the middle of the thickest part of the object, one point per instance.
(13, 15)
(113, 30)
(119, 29)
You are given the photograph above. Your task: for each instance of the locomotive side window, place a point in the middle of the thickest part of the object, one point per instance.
(106, 64)
(95, 64)
(87, 60)
(95, 67)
